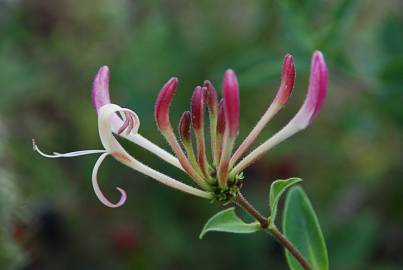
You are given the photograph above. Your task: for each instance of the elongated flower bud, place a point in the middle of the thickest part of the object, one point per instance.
(219, 133)
(287, 81)
(161, 112)
(221, 118)
(231, 102)
(198, 108)
(212, 104)
(317, 90)
(211, 97)
(185, 126)
(100, 88)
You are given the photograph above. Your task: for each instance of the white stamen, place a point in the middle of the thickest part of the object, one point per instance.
(61, 155)
(98, 191)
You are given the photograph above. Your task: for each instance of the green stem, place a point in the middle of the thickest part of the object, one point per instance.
(289, 246)
(241, 201)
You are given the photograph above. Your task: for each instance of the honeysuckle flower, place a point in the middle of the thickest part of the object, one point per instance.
(225, 173)
(127, 126)
(222, 179)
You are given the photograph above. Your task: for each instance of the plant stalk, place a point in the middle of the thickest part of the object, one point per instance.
(289, 246)
(241, 201)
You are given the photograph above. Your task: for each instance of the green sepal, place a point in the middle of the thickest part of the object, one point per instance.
(301, 227)
(277, 189)
(228, 221)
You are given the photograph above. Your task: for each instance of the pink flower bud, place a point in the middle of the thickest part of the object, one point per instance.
(287, 81)
(317, 89)
(198, 107)
(231, 102)
(161, 112)
(220, 131)
(100, 88)
(184, 126)
(211, 97)
(221, 118)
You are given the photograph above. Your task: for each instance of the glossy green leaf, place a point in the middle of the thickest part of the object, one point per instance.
(228, 221)
(277, 189)
(301, 227)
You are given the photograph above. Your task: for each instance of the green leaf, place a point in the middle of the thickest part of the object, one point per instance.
(277, 189)
(228, 221)
(302, 229)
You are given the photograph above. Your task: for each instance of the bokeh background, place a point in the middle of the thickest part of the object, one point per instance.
(350, 158)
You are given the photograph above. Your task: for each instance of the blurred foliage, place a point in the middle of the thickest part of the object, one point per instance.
(351, 158)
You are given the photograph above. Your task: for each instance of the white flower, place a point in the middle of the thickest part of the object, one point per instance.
(124, 122)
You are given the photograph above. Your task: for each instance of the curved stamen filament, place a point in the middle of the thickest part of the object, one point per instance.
(97, 189)
(61, 155)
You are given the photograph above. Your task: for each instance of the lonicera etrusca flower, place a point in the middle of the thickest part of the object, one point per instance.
(218, 173)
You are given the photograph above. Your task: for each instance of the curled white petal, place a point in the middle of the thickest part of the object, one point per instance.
(131, 121)
(116, 123)
(105, 122)
(70, 154)
(98, 191)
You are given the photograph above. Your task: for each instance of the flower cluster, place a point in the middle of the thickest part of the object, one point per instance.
(217, 174)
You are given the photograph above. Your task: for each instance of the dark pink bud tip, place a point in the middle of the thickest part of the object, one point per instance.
(287, 81)
(211, 96)
(184, 126)
(317, 83)
(221, 118)
(100, 88)
(231, 102)
(161, 112)
(317, 89)
(198, 105)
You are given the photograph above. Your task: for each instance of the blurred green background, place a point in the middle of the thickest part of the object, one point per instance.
(350, 158)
